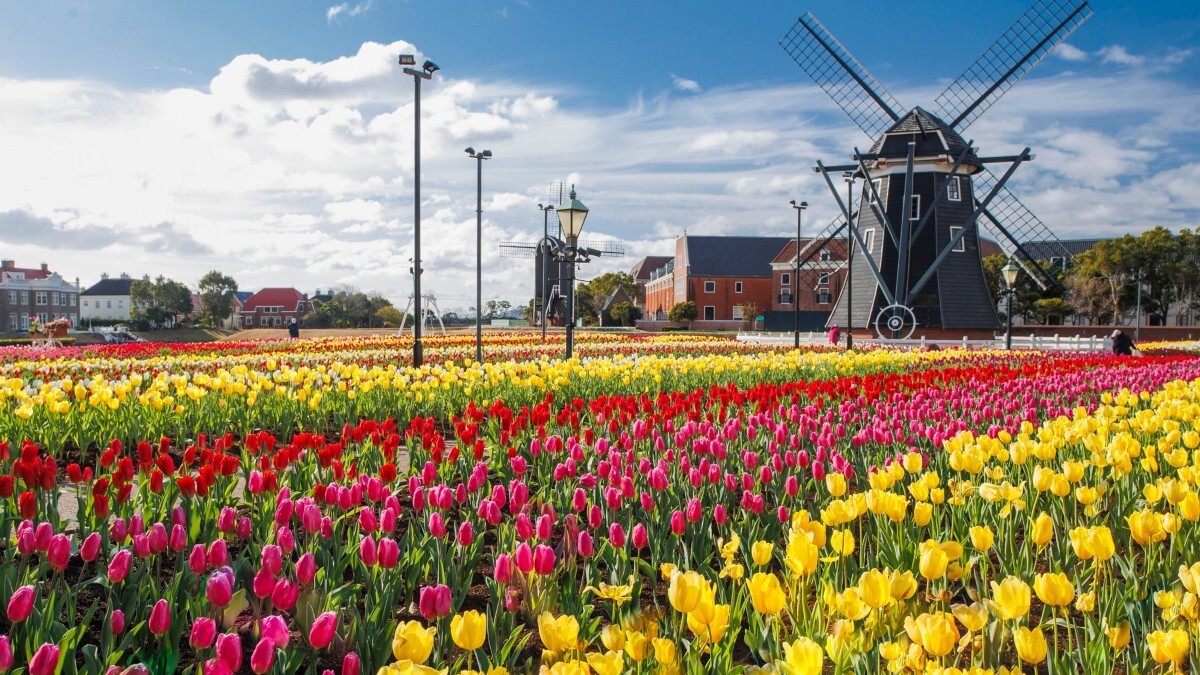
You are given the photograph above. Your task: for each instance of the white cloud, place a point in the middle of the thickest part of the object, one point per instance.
(731, 142)
(684, 84)
(347, 9)
(1118, 54)
(1070, 52)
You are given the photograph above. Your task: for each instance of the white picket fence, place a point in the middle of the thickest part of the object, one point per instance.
(1043, 342)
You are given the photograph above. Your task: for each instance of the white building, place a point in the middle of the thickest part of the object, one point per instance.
(107, 300)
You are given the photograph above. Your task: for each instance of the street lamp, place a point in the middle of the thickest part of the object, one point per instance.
(849, 178)
(425, 73)
(479, 157)
(1010, 272)
(795, 292)
(544, 252)
(571, 215)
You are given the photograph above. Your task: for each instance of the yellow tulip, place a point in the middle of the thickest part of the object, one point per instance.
(664, 651)
(1190, 577)
(903, 585)
(936, 633)
(875, 589)
(413, 642)
(766, 593)
(1086, 602)
(715, 628)
(982, 537)
(608, 663)
(558, 634)
(802, 657)
(933, 560)
(1031, 644)
(922, 513)
(1168, 647)
(1010, 599)
(637, 645)
(686, 590)
(842, 542)
(613, 637)
(469, 630)
(1054, 589)
(973, 617)
(1118, 636)
(835, 483)
(761, 552)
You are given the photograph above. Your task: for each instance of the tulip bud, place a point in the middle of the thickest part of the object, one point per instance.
(640, 538)
(306, 569)
(263, 658)
(20, 605)
(45, 661)
(118, 567)
(160, 618)
(204, 631)
(116, 622)
(351, 664)
(90, 548)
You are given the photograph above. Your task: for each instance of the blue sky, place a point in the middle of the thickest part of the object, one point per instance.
(272, 140)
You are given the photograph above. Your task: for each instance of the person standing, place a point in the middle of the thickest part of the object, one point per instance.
(1122, 344)
(835, 335)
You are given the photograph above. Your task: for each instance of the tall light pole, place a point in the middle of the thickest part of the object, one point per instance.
(544, 252)
(571, 215)
(1010, 272)
(479, 157)
(425, 73)
(796, 275)
(1137, 327)
(849, 178)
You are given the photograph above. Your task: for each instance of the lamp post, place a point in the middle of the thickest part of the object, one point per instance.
(425, 73)
(1137, 327)
(479, 157)
(544, 252)
(849, 178)
(1010, 272)
(796, 275)
(571, 215)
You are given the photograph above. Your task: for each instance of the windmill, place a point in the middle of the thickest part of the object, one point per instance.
(927, 192)
(547, 273)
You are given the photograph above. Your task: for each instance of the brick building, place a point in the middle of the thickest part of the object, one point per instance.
(821, 277)
(26, 292)
(274, 307)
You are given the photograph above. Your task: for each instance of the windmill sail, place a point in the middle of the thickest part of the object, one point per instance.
(1010, 224)
(841, 76)
(1039, 30)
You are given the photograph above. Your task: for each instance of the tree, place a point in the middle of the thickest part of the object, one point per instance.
(348, 307)
(495, 308)
(216, 298)
(625, 313)
(157, 304)
(684, 311)
(591, 296)
(1051, 311)
(1088, 297)
(749, 313)
(389, 316)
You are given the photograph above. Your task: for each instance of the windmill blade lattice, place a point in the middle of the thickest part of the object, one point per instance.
(841, 76)
(1039, 30)
(1021, 227)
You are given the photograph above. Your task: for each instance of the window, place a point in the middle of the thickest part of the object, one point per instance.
(42, 317)
(823, 280)
(710, 287)
(40, 297)
(24, 297)
(737, 287)
(868, 236)
(249, 320)
(24, 322)
(877, 183)
(54, 298)
(74, 319)
(710, 313)
(13, 321)
(785, 298)
(276, 321)
(825, 257)
(738, 313)
(953, 189)
(915, 212)
(961, 245)
(1058, 261)
(824, 297)
(85, 303)
(108, 304)
(12, 297)
(74, 299)
(785, 279)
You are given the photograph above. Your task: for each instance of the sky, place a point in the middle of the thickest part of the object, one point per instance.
(273, 139)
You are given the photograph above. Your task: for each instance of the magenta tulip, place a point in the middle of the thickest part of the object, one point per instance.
(160, 618)
(323, 629)
(272, 559)
(306, 569)
(389, 553)
(274, 628)
(45, 661)
(6, 653)
(263, 583)
(20, 605)
(524, 558)
(118, 567)
(90, 549)
(263, 657)
(368, 552)
(197, 562)
(504, 568)
(158, 538)
(437, 525)
(218, 554)
(204, 631)
(640, 537)
(178, 538)
(678, 523)
(543, 560)
(116, 622)
(229, 651)
(351, 665)
(285, 594)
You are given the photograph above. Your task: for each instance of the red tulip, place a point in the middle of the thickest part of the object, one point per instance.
(45, 661)
(263, 657)
(160, 618)
(204, 631)
(323, 629)
(20, 605)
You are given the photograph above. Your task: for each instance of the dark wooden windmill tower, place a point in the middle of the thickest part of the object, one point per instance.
(928, 193)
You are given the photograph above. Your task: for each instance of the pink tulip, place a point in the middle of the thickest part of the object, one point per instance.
(58, 552)
(272, 559)
(465, 534)
(204, 631)
(42, 535)
(435, 601)
(274, 628)
(263, 583)
(585, 546)
(543, 560)
(6, 653)
(20, 605)
(678, 523)
(158, 538)
(226, 520)
(351, 665)
(229, 651)
(524, 558)
(323, 629)
(306, 569)
(197, 562)
(243, 528)
(368, 552)
(389, 553)
(219, 589)
(119, 530)
(45, 661)
(437, 526)
(720, 516)
(287, 540)
(616, 535)
(116, 621)
(640, 537)
(367, 520)
(25, 543)
(141, 546)
(285, 594)
(178, 538)
(504, 568)
(160, 618)
(218, 554)
(90, 549)
(263, 657)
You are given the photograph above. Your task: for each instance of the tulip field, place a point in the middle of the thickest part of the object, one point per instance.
(670, 504)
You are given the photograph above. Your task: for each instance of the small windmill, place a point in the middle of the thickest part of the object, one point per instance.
(549, 274)
(927, 191)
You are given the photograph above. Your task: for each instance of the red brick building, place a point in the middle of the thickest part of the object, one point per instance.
(272, 307)
(820, 278)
